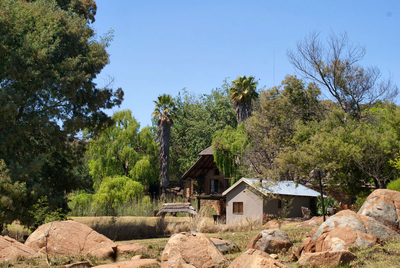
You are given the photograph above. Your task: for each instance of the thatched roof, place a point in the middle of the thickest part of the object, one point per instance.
(176, 207)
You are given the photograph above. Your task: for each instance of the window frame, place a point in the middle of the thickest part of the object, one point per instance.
(214, 182)
(237, 208)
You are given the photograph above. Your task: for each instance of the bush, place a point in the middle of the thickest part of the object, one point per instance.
(394, 185)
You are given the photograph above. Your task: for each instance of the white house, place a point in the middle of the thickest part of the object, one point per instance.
(248, 199)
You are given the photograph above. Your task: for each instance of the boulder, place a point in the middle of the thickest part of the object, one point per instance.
(342, 238)
(82, 264)
(129, 264)
(314, 221)
(10, 249)
(343, 230)
(130, 248)
(185, 250)
(327, 258)
(270, 241)
(254, 258)
(384, 206)
(357, 222)
(70, 238)
(224, 245)
(271, 224)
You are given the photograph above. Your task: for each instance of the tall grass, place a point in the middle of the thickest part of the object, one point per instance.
(144, 207)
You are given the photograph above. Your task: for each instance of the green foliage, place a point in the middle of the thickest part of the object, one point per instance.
(12, 195)
(80, 203)
(124, 150)
(49, 58)
(42, 213)
(243, 93)
(273, 125)
(329, 202)
(284, 212)
(228, 146)
(198, 118)
(394, 185)
(115, 191)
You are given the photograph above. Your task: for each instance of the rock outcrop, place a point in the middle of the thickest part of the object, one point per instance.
(10, 249)
(129, 264)
(70, 238)
(270, 241)
(254, 258)
(343, 230)
(185, 250)
(327, 258)
(314, 221)
(384, 206)
(130, 248)
(224, 245)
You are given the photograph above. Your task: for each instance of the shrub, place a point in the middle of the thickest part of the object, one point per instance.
(394, 185)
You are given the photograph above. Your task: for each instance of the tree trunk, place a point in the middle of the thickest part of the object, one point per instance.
(164, 131)
(243, 111)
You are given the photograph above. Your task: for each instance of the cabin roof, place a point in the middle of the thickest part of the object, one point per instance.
(280, 188)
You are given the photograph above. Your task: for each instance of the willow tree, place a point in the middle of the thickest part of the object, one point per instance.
(165, 111)
(243, 92)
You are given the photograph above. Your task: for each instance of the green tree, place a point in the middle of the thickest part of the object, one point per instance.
(228, 147)
(165, 111)
(12, 194)
(243, 93)
(123, 150)
(272, 126)
(353, 156)
(49, 58)
(198, 118)
(115, 191)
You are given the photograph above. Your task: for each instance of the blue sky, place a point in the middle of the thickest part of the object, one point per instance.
(163, 46)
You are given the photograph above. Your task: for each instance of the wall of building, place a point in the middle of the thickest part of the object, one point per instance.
(188, 188)
(252, 204)
(210, 176)
(270, 206)
(218, 206)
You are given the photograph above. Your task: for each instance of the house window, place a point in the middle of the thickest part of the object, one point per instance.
(238, 208)
(216, 172)
(279, 203)
(214, 186)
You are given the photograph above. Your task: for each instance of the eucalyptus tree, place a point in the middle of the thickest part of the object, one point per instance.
(49, 60)
(243, 93)
(165, 112)
(335, 67)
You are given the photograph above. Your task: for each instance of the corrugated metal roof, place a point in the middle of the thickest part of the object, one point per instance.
(281, 188)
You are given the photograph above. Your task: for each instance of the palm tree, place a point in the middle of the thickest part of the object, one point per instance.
(243, 93)
(165, 111)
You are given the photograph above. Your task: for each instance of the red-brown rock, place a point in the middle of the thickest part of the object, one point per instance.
(10, 249)
(224, 245)
(384, 206)
(130, 248)
(70, 238)
(342, 238)
(314, 221)
(270, 241)
(185, 250)
(326, 258)
(129, 264)
(82, 264)
(254, 258)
